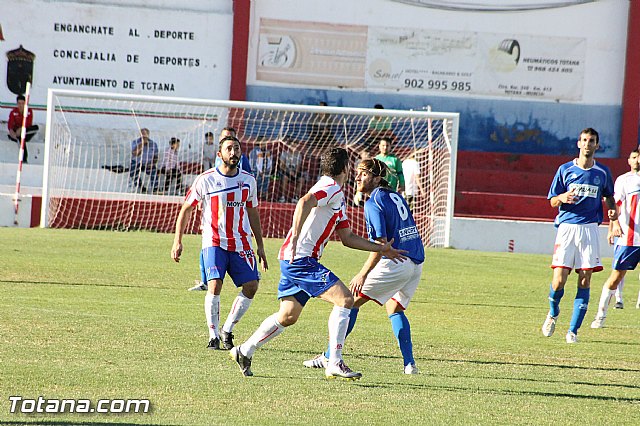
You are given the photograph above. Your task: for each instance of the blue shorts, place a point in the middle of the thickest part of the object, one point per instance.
(625, 258)
(215, 262)
(304, 278)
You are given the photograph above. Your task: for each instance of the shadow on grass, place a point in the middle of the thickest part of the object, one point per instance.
(475, 389)
(470, 389)
(308, 354)
(154, 287)
(73, 422)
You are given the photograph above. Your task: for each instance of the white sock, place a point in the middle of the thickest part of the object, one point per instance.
(238, 309)
(619, 291)
(338, 322)
(605, 298)
(269, 329)
(212, 313)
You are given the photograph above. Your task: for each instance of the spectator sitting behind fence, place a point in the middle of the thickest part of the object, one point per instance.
(170, 167)
(15, 124)
(209, 151)
(290, 170)
(144, 157)
(262, 165)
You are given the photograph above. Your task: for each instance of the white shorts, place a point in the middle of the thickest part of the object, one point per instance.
(577, 247)
(389, 280)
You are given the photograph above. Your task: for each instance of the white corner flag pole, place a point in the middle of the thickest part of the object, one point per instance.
(23, 134)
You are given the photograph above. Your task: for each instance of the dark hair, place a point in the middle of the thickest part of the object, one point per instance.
(592, 132)
(174, 141)
(334, 162)
(376, 168)
(227, 138)
(322, 103)
(385, 138)
(378, 106)
(637, 151)
(208, 134)
(20, 98)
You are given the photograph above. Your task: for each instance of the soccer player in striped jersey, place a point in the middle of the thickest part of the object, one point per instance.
(385, 282)
(626, 254)
(577, 191)
(318, 213)
(243, 164)
(229, 216)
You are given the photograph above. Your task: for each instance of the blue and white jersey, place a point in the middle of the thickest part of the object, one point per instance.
(589, 185)
(388, 216)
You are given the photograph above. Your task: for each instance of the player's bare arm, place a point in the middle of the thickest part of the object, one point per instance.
(614, 231)
(358, 280)
(612, 212)
(565, 198)
(181, 225)
(256, 228)
(351, 240)
(303, 208)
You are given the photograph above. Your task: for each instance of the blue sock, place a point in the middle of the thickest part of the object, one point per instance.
(402, 331)
(554, 301)
(579, 309)
(353, 315)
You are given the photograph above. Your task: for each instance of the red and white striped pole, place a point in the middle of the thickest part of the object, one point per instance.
(23, 134)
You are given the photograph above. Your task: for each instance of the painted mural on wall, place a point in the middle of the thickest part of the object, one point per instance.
(519, 88)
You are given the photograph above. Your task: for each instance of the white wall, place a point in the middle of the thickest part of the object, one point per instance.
(495, 235)
(150, 48)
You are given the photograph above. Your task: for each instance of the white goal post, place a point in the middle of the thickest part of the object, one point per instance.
(92, 181)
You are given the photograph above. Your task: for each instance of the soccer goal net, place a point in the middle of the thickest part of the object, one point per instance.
(97, 177)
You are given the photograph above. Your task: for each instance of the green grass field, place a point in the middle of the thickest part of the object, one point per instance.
(96, 315)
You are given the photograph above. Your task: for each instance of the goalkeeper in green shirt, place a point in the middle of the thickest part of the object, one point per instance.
(395, 177)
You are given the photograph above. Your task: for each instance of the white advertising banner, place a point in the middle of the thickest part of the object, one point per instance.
(453, 62)
(421, 60)
(113, 49)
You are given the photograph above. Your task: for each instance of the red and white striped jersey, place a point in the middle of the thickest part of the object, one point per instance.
(330, 214)
(626, 193)
(224, 199)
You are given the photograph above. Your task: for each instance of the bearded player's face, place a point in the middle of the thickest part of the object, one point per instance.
(230, 153)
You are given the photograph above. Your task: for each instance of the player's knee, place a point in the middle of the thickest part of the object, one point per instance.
(250, 289)
(348, 301)
(287, 319)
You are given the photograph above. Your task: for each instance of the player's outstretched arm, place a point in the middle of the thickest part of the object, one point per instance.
(181, 225)
(256, 228)
(358, 280)
(351, 240)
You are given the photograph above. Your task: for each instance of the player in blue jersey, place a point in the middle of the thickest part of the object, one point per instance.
(577, 191)
(386, 282)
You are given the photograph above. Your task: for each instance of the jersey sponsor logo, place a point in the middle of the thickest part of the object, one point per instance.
(584, 190)
(235, 203)
(406, 232)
